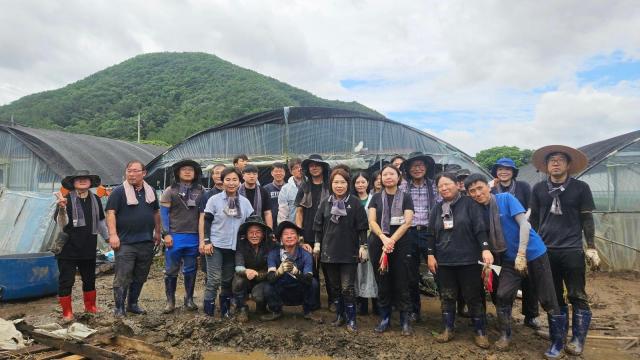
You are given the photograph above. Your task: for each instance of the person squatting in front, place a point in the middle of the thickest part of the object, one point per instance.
(341, 242)
(290, 275)
(525, 256)
(79, 238)
(390, 216)
(133, 219)
(419, 171)
(250, 279)
(457, 239)
(179, 213)
(222, 217)
(561, 212)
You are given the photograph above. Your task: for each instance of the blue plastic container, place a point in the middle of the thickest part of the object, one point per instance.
(25, 276)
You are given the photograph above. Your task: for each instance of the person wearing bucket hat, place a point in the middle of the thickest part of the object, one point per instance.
(461, 175)
(561, 212)
(81, 218)
(419, 170)
(313, 190)
(290, 272)
(180, 213)
(254, 245)
(505, 173)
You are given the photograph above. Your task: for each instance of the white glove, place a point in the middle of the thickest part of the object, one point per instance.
(363, 253)
(593, 259)
(282, 268)
(316, 249)
(294, 270)
(521, 264)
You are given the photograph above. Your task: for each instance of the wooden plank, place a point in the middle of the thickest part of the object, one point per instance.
(74, 357)
(140, 346)
(53, 355)
(74, 347)
(33, 349)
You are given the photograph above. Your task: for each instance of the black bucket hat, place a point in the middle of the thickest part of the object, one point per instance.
(253, 220)
(67, 182)
(187, 162)
(286, 225)
(315, 158)
(418, 155)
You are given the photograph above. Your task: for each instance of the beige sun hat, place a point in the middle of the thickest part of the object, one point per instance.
(578, 159)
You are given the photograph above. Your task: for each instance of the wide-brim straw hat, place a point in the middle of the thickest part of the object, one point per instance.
(67, 182)
(578, 161)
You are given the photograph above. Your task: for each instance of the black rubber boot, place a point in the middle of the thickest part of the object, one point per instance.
(132, 300)
(189, 287)
(170, 283)
(119, 296)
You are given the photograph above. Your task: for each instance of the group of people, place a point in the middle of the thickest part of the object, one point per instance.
(367, 235)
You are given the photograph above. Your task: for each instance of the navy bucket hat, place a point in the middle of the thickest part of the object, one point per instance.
(504, 162)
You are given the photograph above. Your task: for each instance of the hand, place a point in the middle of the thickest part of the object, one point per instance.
(316, 249)
(521, 264)
(487, 257)
(363, 253)
(593, 259)
(157, 238)
(251, 274)
(494, 183)
(432, 264)
(61, 201)
(294, 270)
(208, 249)
(114, 242)
(201, 248)
(281, 269)
(387, 242)
(307, 248)
(168, 240)
(288, 266)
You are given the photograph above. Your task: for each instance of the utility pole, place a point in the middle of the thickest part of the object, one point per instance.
(138, 128)
(12, 122)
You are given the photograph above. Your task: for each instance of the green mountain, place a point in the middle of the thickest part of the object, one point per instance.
(176, 94)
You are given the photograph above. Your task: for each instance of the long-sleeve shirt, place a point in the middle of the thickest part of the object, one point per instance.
(286, 201)
(424, 197)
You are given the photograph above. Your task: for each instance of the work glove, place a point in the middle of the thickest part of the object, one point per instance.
(282, 268)
(316, 249)
(593, 259)
(294, 270)
(287, 266)
(521, 264)
(363, 253)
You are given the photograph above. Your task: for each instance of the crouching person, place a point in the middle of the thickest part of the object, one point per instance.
(254, 245)
(525, 252)
(290, 275)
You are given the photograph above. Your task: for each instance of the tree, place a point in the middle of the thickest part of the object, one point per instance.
(488, 157)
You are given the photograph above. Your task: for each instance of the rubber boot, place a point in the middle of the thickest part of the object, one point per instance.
(532, 322)
(363, 306)
(504, 321)
(225, 306)
(90, 302)
(448, 321)
(374, 307)
(350, 312)
(480, 329)
(339, 310)
(385, 319)
(565, 310)
(132, 300)
(405, 323)
(189, 287)
(243, 314)
(580, 327)
(273, 314)
(119, 295)
(557, 331)
(67, 311)
(209, 307)
(170, 284)
(414, 315)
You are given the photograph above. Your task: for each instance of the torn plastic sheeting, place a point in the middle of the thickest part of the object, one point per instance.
(26, 221)
(76, 331)
(10, 338)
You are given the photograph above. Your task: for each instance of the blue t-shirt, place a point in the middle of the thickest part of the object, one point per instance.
(510, 207)
(302, 260)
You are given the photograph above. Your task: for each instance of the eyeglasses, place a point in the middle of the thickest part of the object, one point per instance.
(558, 160)
(133, 171)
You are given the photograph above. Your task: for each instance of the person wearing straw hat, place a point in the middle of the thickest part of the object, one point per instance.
(179, 212)
(419, 170)
(254, 245)
(81, 218)
(561, 212)
(505, 173)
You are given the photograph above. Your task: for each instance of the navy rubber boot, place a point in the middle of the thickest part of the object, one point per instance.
(189, 287)
(480, 330)
(339, 309)
(119, 296)
(385, 319)
(363, 306)
(350, 311)
(580, 327)
(448, 321)
(170, 284)
(557, 331)
(225, 306)
(405, 323)
(504, 321)
(132, 300)
(209, 307)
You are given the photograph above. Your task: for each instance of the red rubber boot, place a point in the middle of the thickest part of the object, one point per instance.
(90, 302)
(65, 303)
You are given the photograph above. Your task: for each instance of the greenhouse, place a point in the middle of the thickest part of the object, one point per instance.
(613, 175)
(361, 141)
(32, 163)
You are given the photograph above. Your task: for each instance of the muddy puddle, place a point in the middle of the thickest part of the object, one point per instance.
(254, 355)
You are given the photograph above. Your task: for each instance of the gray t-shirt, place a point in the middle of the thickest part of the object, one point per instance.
(183, 212)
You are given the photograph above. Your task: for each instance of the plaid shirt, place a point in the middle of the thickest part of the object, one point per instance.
(424, 197)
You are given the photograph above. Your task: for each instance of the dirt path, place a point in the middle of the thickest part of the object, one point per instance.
(615, 299)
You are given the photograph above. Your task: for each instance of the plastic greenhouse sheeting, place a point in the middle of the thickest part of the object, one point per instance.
(26, 224)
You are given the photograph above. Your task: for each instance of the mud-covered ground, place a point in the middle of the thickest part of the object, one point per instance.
(615, 301)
